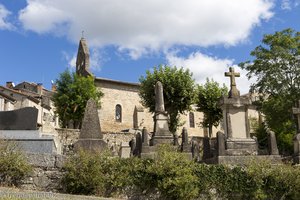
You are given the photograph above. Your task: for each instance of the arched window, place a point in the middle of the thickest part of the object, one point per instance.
(192, 119)
(118, 113)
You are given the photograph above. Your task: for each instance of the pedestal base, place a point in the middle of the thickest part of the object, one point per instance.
(162, 139)
(93, 145)
(241, 146)
(243, 160)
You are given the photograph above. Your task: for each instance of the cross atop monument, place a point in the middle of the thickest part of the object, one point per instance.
(234, 92)
(296, 111)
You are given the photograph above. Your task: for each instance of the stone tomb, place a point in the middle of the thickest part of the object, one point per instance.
(20, 127)
(90, 137)
(235, 146)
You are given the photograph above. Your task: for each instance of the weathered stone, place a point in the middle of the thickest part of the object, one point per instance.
(296, 111)
(145, 136)
(41, 160)
(138, 146)
(206, 148)
(234, 92)
(220, 144)
(296, 155)
(90, 137)
(196, 150)
(20, 119)
(124, 150)
(272, 144)
(159, 97)
(162, 134)
(90, 124)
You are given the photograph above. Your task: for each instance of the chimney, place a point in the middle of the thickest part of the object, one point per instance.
(39, 88)
(53, 88)
(10, 84)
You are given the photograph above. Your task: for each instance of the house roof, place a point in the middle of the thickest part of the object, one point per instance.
(9, 98)
(20, 93)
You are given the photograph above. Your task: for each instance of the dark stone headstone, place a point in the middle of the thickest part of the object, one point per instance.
(138, 146)
(206, 148)
(220, 144)
(21, 119)
(272, 144)
(196, 150)
(176, 143)
(90, 137)
(145, 137)
(132, 145)
(185, 141)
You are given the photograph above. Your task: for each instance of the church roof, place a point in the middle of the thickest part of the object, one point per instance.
(100, 79)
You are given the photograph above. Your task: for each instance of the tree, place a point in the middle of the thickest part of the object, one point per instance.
(72, 93)
(276, 66)
(208, 96)
(178, 87)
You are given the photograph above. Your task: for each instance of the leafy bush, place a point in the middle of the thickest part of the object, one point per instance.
(83, 174)
(171, 174)
(13, 166)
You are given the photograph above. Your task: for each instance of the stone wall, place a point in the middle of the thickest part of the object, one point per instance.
(47, 172)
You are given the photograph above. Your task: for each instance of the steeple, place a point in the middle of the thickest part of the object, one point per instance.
(83, 59)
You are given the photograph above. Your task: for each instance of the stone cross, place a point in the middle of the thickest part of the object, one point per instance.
(159, 97)
(296, 111)
(234, 92)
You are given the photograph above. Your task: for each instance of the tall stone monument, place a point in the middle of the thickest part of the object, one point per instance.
(90, 137)
(296, 111)
(236, 122)
(162, 134)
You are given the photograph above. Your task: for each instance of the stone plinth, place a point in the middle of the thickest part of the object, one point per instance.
(237, 129)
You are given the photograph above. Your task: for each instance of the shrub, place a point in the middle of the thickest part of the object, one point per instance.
(83, 174)
(171, 174)
(276, 181)
(13, 165)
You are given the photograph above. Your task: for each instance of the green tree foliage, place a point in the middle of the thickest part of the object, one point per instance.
(13, 165)
(276, 66)
(178, 87)
(73, 92)
(208, 96)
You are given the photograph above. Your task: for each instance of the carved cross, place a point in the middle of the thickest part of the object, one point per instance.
(296, 111)
(232, 76)
(233, 90)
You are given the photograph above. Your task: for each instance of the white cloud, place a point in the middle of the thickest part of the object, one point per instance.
(203, 66)
(286, 5)
(140, 27)
(4, 13)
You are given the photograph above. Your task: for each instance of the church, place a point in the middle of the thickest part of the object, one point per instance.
(121, 108)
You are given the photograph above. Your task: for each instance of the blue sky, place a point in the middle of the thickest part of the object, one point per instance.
(39, 38)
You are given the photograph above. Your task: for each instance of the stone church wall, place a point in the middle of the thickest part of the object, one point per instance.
(125, 95)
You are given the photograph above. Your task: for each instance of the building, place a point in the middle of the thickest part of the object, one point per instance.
(120, 106)
(28, 94)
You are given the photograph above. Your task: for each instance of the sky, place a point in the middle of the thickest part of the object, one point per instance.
(39, 38)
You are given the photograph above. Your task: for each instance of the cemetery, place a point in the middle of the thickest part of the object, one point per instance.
(146, 160)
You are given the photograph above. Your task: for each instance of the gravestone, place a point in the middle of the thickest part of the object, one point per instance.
(20, 127)
(272, 144)
(186, 148)
(296, 139)
(236, 122)
(138, 146)
(90, 137)
(162, 134)
(20, 119)
(206, 148)
(124, 150)
(145, 136)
